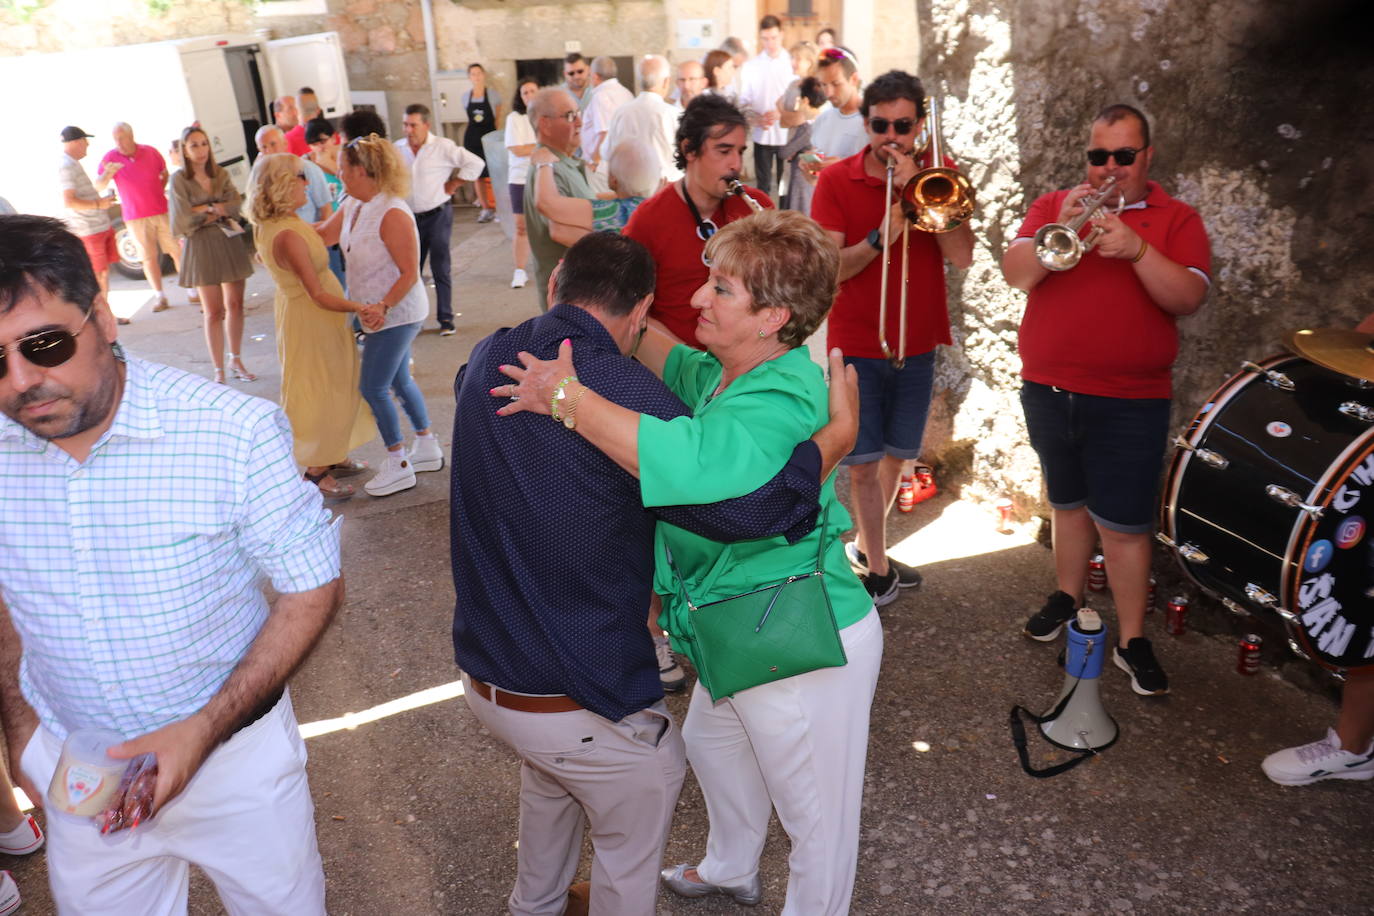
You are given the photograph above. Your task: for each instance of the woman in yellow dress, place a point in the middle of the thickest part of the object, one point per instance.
(319, 359)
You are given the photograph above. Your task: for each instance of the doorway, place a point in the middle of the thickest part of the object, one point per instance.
(802, 19)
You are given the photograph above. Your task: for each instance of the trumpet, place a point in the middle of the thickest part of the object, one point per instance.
(737, 188)
(936, 199)
(1057, 245)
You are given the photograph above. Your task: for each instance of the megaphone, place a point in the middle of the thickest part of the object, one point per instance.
(1077, 721)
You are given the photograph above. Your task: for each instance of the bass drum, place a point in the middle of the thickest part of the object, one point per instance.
(1269, 500)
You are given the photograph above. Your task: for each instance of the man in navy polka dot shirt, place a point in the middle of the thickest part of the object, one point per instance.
(553, 560)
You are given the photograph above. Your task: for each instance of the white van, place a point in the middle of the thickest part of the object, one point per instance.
(223, 82)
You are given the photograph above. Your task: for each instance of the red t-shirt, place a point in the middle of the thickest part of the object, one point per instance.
(664, 225)
(142, 192)
(295, 140)
(850, 201)
(1093, 329)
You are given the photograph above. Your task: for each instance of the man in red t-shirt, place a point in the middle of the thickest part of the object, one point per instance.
(140, 174)
(675, 223)
(1097, 345)
(850, 202)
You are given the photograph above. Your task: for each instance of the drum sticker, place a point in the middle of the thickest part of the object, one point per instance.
(1350, 532)
(1318, 555)
(1279, 429)
(1333, 608)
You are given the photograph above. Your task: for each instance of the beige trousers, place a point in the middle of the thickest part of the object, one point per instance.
(624, 776)
(153, 232)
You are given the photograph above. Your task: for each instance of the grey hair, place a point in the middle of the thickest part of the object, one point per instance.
(654, 71)
(541, 106)
(264, 131)
(123, 124)
(604, 67)
(635, 168)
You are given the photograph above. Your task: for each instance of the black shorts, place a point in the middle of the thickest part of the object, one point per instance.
(1099, 452)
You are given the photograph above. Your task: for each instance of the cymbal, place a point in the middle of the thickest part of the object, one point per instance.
(1338, 349)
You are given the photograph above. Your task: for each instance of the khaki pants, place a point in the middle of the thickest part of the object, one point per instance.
(625, 776)
(151, 233)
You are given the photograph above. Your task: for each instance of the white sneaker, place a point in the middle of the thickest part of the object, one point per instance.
(670, 673)
(394, 476)
(9, 894)
(486, 216)
(22, 840)
(426, 454)
(519, 279)
(1323, 759)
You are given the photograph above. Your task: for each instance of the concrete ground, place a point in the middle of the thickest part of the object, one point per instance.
(417, 805)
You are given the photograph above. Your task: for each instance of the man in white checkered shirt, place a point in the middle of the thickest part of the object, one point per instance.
(142, 507)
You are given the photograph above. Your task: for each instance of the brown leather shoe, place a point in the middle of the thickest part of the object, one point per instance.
(579, 899)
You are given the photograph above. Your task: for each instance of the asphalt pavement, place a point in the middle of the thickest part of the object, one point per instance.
(416, 804)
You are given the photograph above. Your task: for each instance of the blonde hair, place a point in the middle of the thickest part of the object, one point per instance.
(379, 159)
(785, 260)
(272, 186)
(808, 52)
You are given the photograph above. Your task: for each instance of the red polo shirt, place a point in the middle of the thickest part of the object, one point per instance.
(295, 140)
(850, 201)
(1093, 329)
(664, 225)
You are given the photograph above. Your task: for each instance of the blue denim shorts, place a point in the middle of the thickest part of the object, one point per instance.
(1103, 453)
(893, 404)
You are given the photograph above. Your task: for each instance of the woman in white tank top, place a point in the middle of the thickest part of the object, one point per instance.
(376, 231)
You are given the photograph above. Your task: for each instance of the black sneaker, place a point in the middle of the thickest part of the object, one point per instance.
(1045, 624)
(1138, 660)
(907, 576)
(882, 589)
(446, 329)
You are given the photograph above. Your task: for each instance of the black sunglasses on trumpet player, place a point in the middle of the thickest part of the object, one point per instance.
(902, 126)
(1123, 156)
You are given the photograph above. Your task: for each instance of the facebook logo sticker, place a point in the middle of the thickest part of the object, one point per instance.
(1318, 555)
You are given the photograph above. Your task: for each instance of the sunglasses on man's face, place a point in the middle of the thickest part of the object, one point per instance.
(46, 349)
(1123, 156)
(901, 126)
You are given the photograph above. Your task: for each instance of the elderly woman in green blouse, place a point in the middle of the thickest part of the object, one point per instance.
(796, 745)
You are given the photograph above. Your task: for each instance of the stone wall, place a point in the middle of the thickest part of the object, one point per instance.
(1258, 125)
(68, 25)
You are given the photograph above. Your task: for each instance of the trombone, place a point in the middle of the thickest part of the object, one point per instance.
(1057, 245)
(936, 199)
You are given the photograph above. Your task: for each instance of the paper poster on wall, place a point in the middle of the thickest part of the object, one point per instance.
(696, 33)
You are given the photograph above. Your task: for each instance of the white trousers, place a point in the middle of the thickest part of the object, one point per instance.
(798, 745)
(246, 818)
(624, 775)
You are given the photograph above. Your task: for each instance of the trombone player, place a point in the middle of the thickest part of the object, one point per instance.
(1097, 344)
(851, 200)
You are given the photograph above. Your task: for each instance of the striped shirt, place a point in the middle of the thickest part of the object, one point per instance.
(134, 578)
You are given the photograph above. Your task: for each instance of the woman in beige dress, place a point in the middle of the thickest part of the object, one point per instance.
(319, 360)
(205, 211)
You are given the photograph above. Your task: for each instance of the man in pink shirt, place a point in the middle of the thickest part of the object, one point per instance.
(140, 176)
(288, 118)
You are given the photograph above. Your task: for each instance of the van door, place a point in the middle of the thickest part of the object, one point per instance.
(316, 61)
(217, 110)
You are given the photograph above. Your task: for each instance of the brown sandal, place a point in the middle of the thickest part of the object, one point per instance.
(334, 490)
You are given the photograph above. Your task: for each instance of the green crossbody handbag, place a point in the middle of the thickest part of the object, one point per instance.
(768, 634)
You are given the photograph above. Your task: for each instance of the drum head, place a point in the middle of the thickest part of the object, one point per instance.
(1265, 501)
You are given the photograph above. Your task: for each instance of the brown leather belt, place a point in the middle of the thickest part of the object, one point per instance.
(520, 702)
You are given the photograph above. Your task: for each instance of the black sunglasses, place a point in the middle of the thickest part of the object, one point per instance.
(1123, 156)
(46, 349)
(902, 126)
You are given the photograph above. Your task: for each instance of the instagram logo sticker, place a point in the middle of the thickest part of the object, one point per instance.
(1350, 532)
